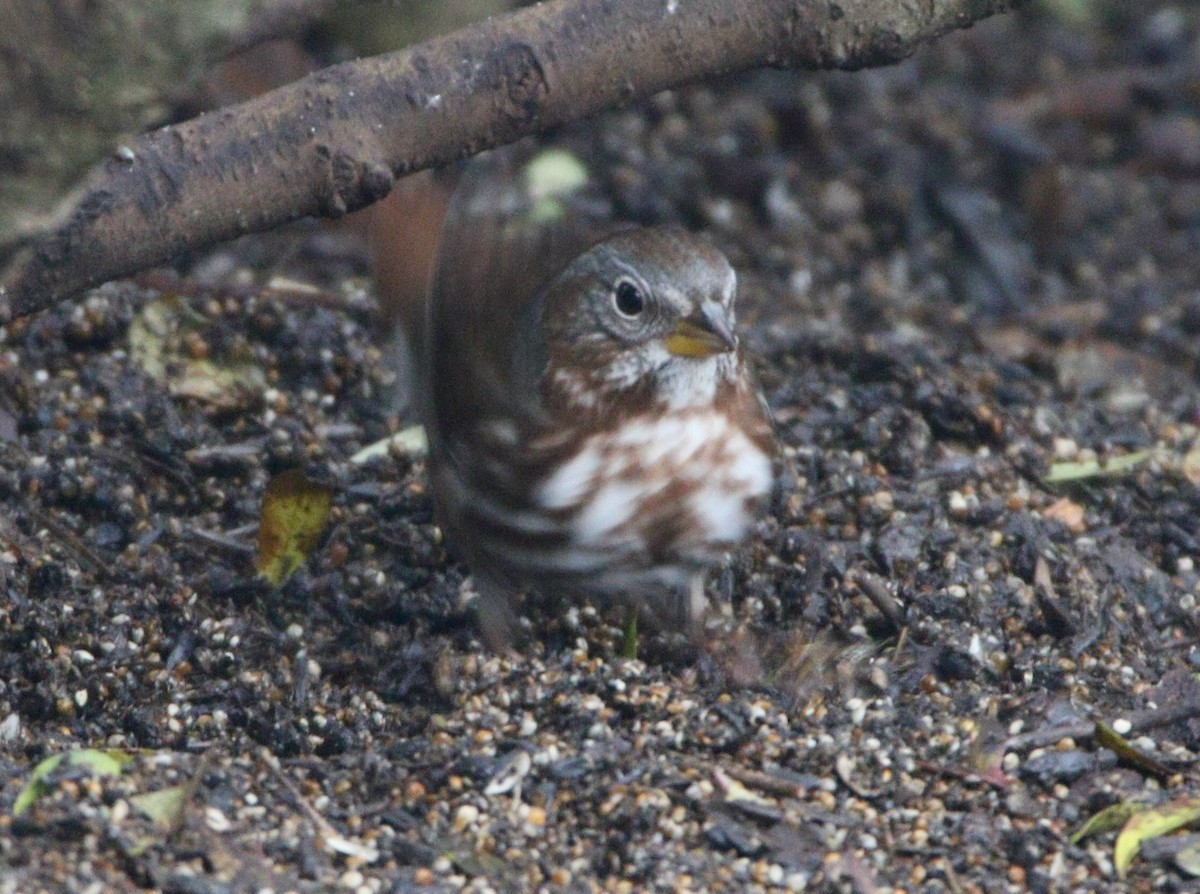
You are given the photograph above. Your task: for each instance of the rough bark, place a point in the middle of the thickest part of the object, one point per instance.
(336, 140)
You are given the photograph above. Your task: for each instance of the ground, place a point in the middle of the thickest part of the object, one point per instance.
(968, 282)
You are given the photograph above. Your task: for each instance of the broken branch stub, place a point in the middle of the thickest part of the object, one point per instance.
(335, 141)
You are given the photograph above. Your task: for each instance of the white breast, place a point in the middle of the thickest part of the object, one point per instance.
(691, 472)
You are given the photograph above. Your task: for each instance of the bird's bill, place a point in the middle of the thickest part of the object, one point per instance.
(701, 335)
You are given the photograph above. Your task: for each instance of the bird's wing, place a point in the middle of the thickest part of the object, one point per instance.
(507, 233)
(505, 237)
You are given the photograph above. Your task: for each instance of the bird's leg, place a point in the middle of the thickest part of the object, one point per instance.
(494, 610)
(697, 604)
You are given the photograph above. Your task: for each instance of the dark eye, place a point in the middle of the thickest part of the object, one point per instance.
(629, 299)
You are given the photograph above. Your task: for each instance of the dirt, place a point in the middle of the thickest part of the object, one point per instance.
(968, 281)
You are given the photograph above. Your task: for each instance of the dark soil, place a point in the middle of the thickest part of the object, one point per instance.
(958, 275)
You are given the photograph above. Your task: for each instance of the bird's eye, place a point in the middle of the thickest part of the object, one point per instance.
(628, 299)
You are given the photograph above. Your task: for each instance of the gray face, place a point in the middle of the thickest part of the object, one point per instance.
(645, 298)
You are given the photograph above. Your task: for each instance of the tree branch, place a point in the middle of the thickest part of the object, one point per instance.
(335, 141)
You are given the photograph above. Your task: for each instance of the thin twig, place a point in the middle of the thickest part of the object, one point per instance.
(1139, 721)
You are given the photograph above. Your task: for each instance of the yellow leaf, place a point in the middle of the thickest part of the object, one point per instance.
(1152, 823)
(294, 512)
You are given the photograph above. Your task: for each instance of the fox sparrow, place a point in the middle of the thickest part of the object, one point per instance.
(594, 428)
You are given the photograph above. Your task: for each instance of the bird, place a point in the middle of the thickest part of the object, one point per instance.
(595, 430)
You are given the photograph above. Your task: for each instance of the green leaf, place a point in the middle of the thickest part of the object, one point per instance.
(37, 784)
(108, 762)
(1112, 817)
(1093, 468)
